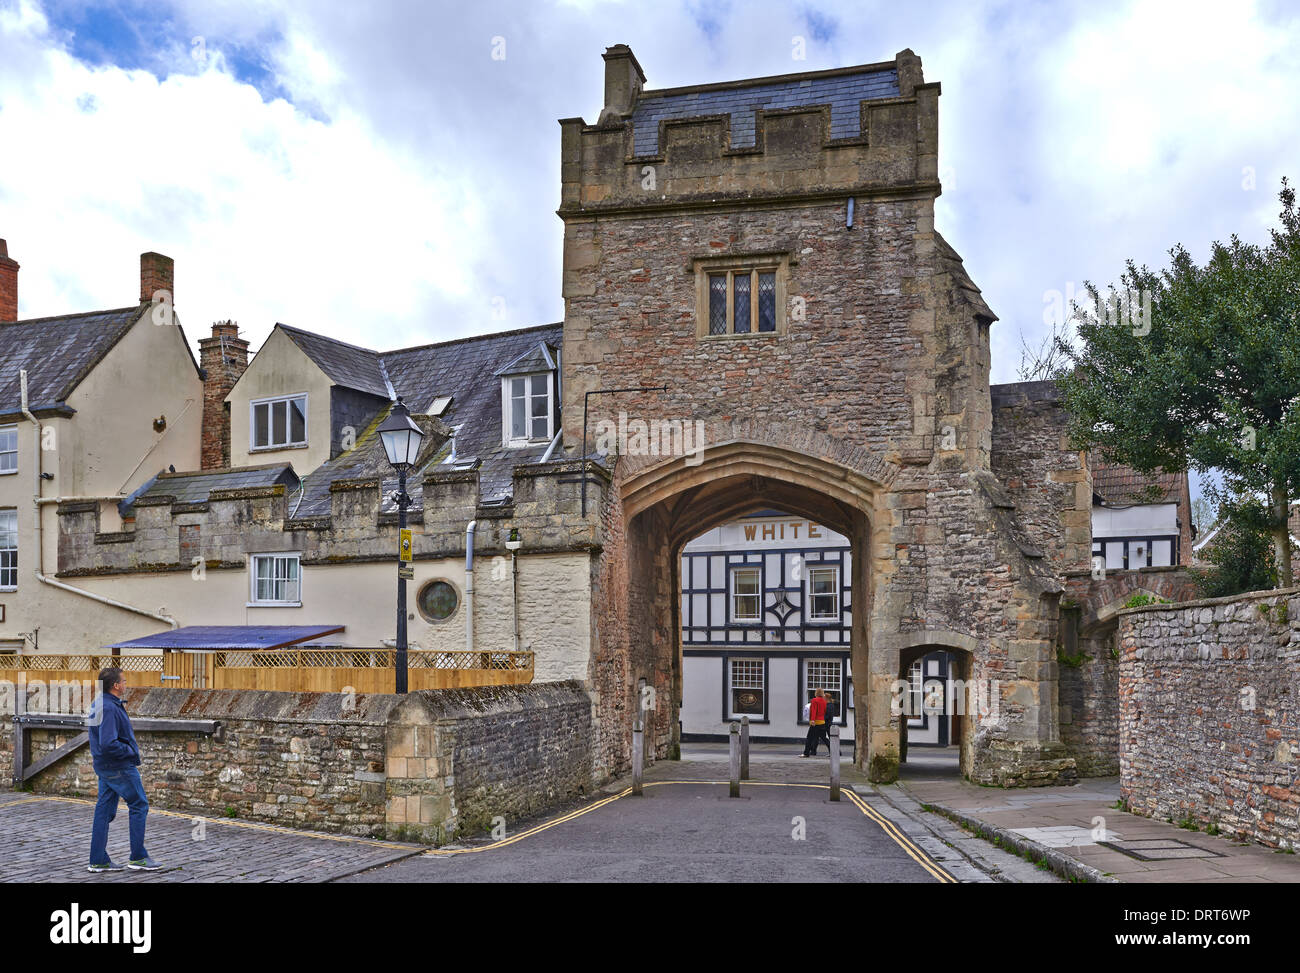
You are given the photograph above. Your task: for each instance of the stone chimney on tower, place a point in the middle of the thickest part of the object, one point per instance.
(223, 358)
(8, 285)
(624, 80)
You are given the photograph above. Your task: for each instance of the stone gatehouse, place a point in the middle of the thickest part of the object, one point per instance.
(753, 263)
(856, 395)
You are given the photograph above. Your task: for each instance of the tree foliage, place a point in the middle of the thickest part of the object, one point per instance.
(1241, 553)
(1200, 367)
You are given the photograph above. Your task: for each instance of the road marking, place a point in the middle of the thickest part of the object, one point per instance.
(915, 852)
(904, 842)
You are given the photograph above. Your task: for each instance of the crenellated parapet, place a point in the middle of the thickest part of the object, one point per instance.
(361, 526)
(870, 130)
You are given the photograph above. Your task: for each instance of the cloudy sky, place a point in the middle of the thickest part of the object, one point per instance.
(388, 173)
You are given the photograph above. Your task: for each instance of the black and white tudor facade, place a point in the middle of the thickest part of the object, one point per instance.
(766, 615)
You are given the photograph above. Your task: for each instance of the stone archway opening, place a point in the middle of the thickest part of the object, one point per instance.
(664, 507)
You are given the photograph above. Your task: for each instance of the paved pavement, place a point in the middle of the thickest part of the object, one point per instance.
(1083, 824)
(47, 839)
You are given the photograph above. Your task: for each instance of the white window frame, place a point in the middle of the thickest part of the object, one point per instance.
(5, 431)
(269, 402)
(507, 405)
(253, 600)
(762, 686)
(757, 618)
(811, 617)
(837, 689)
(9, 514)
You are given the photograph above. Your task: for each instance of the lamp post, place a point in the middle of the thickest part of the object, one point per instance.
(402, 440)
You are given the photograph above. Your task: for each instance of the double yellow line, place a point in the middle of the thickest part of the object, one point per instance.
(904, 842)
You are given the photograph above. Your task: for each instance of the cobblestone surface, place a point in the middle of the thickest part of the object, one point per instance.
(47, 839)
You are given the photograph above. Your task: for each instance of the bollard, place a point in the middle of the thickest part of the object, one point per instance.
(735, 760)
(835, 763)
(638, 755)
(744, 748)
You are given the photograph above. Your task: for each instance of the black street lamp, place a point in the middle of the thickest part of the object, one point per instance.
(402, 440)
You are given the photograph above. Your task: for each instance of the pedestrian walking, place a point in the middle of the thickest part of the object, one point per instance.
(816, 724)
(832, 714)
(116, 756)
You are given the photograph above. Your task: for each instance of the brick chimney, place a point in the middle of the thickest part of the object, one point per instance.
(223, 358)
(8, 285)
(624, 80)
(157, 273)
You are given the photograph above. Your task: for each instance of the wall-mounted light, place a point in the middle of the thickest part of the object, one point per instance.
(160, 424)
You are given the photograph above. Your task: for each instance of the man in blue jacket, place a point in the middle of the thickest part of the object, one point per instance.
(116, 756)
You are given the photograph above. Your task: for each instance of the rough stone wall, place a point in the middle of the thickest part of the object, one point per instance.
(297, 759)
(1089, 683)
(515, 751)
(1089, 695)
(233, 523)
(1049, 482)
(1210, 714)
(426, 766)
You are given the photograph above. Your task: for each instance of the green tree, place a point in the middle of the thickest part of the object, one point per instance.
(1241, 553)
(1200, 366)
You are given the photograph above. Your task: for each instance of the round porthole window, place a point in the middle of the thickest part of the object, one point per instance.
(437, 601)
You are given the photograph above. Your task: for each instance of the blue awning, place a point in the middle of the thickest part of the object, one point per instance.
(199, 638)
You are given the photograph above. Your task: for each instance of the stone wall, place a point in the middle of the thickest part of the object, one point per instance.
(1048, 480)
(423, 767)
(1089, 697)
(1210, 714)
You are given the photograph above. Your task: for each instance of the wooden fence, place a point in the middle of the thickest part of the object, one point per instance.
(283, 670)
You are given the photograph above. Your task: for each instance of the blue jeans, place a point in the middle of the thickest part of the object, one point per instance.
(112, 785)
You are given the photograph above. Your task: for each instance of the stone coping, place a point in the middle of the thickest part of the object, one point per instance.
(1208, 602)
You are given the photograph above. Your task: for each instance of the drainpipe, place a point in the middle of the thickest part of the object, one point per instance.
(40, 545)
(469, 585)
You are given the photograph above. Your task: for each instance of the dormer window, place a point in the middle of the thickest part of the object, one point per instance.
(278, 423)
(526, 408)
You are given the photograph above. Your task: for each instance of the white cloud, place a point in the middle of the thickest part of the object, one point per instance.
(413, 178)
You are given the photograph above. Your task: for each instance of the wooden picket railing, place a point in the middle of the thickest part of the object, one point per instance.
(283, 670)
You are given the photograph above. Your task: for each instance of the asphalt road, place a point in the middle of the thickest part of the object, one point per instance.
(687, 832)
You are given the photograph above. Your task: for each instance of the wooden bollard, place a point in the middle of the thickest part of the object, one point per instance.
(735, 759)
(638, 755)
(835, 763)
(744, 748)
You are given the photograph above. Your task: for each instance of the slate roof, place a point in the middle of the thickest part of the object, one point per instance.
(194, 487)
(256, 637)
(1124, 486)
(843, 91)
(465, 370)
(348, 365)
(58, 353)
(952, 263)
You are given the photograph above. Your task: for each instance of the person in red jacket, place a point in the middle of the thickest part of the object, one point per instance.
(816, 721)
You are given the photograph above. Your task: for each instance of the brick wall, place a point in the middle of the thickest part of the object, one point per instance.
(1210, 714)
(422, 767)
(223, 358)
